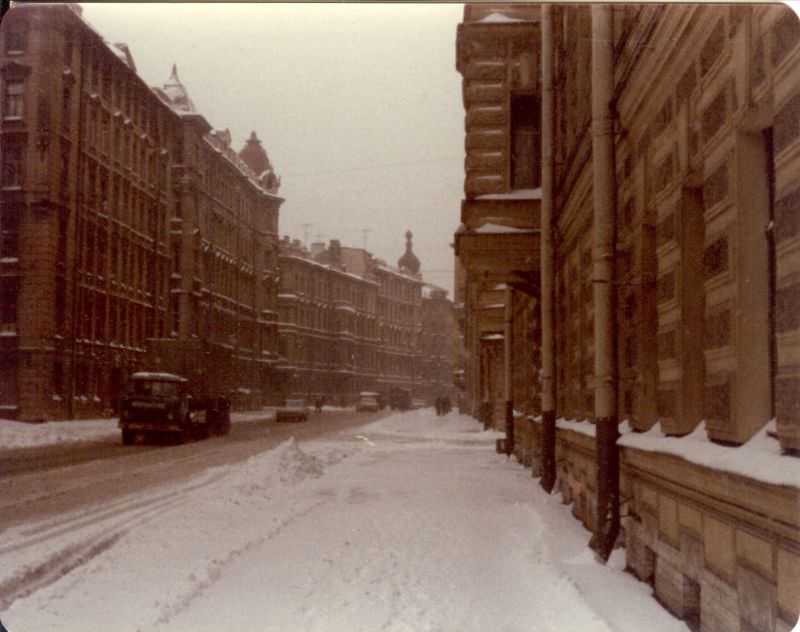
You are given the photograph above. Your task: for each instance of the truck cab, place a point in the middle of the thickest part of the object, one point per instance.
(159, 404)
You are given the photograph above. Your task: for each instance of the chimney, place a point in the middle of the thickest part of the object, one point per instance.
(317, 249)
(335, 252)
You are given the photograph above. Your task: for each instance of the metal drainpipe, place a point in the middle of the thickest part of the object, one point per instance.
(605, 370)
(548, 372)
(507, 378)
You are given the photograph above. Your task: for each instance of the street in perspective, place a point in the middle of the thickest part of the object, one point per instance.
(351, 317)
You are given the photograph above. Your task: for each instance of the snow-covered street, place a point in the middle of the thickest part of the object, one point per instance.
(410, 523)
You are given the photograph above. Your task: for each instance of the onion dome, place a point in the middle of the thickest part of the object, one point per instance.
(409, 260)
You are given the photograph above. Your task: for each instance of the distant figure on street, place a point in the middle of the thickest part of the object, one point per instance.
(319, 402)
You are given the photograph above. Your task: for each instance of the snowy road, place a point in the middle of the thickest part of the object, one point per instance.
(409, 523)
(47, 469)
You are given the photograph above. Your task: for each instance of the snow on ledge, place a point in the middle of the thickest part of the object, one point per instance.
(499, 18)
(582, 427)
(497, 229)
(759, 459)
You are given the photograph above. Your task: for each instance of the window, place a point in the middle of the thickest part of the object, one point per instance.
(524, 142)
(13, 99)
(16, 38)
(61, 305)
(69, 47)
(58, 378)
(9, 232)
(12, 166)
(9, 291)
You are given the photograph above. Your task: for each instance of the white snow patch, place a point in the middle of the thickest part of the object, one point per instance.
(499, 18)
(760, 458)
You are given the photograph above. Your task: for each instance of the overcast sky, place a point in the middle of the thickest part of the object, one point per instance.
(358, 106)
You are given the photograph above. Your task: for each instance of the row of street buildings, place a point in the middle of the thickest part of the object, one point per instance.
(628, 284)
(128, 224)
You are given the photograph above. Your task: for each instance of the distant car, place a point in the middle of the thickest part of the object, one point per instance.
(418, 403)
(368, 402)
(294, 410)
(399, 398)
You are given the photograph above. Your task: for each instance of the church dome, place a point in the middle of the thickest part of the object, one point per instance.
(409, 260)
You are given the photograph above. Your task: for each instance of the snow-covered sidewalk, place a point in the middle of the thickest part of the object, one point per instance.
(410, 523)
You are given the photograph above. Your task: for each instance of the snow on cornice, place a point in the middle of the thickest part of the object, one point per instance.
(499, 18)
(327, 266)
(405, 275)
(498, 229)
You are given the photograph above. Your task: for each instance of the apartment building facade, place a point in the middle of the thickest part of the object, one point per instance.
(111, 192)
(328, 325)
(350, 322)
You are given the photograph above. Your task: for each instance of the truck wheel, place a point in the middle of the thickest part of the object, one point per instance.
(224, 424)
(128, 437)
(185, 435)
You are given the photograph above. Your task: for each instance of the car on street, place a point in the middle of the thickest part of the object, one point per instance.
(293, 410)
(368, 401)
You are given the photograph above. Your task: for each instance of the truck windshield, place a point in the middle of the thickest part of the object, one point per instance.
(164, 389)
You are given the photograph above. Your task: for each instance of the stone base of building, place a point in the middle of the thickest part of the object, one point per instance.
(721, 551)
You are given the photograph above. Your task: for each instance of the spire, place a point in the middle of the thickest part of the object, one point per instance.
(255, 156)
(409, 260)
(176, 92)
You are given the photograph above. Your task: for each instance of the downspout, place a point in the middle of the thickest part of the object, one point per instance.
(508, 378)
(605, 370)
(548, 373)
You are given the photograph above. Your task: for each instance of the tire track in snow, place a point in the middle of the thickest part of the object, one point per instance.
(81, 538)
(103, 476)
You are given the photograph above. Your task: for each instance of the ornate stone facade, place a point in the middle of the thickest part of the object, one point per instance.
(706, 153)
(497, 242)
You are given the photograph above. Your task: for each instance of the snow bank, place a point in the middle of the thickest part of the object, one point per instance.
(19, 434)
(158, 550)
